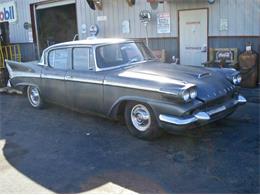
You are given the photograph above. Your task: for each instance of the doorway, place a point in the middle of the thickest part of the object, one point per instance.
(55, 22)
(193, 36)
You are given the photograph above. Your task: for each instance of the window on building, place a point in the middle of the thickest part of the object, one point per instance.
(82, 58)
(58, 58)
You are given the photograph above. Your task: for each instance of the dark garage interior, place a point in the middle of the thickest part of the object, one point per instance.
(56, 24)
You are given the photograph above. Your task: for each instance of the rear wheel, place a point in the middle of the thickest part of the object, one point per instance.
(34, 97)
(140, 121)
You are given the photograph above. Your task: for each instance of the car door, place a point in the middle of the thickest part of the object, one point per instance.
(83, 83)
(53, 75)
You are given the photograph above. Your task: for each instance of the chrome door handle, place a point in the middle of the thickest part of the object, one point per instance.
(68, 77)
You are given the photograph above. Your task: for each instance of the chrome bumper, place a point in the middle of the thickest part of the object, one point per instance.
(200, 116)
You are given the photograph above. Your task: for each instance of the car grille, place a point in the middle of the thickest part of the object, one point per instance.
(218, 101)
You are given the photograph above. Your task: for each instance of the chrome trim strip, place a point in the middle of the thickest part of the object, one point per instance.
(131, 86)
(24, 74)
(184, 121)
(202, 116)
(217, 110)
(198, 116)
(55, 77)
(241, 99)
(83, 80)
(176, 120)
(175, 93)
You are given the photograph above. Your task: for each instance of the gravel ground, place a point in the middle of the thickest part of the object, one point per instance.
(62, 151)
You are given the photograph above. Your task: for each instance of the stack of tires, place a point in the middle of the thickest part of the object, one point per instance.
(248, 69)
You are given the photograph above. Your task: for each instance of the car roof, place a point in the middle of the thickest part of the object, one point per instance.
(93, 41)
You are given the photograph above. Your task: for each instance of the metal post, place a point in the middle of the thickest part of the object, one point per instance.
(146, 33)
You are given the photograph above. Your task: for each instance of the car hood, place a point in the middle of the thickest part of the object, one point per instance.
(209, 82)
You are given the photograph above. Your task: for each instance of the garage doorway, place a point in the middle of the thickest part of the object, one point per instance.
(55, 22)
(193, 36)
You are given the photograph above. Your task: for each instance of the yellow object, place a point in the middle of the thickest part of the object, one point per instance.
(9, 52)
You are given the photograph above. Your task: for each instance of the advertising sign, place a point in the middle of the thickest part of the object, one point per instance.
(163, 23)
(8, 12)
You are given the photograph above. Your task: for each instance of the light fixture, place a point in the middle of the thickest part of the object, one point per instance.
(130, 2)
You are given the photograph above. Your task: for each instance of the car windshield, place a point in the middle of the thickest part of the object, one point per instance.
(113, 55)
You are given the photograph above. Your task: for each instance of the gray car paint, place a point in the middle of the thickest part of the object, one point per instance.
(102, 92)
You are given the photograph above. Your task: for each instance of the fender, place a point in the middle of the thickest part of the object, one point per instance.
(22, 86)
(115, 108)
(158, 107)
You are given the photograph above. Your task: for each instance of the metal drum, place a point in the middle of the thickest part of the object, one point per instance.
(248, 69)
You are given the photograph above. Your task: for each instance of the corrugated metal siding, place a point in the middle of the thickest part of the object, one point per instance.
(171, 44)
(17, 32)
(243, 17)
(28, 51)
(235, 42)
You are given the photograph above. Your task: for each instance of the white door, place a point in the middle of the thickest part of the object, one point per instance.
(193, 35)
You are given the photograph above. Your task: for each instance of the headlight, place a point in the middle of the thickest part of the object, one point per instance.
(237, 79)
(189, 94)
(193, 93)
(186, 95)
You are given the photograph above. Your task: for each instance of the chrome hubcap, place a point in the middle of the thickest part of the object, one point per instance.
(141, 117)
(34, 96)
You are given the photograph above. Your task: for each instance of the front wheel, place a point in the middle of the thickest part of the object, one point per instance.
(34, 97)
(140, 121)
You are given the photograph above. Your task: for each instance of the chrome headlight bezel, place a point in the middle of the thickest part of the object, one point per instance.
(193, 93)
(185, 95)
(189, 94)
(236, 79)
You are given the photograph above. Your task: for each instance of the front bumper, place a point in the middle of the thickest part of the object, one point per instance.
(202, 117)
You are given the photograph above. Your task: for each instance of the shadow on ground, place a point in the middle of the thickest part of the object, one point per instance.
(67, 152)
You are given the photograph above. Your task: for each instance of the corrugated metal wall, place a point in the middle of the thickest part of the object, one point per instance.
(243, 20)
(17, 32)
(243, 17)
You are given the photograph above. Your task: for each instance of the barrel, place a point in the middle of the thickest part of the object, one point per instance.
(248, 69)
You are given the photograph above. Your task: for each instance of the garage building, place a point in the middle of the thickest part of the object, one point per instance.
(186, 29)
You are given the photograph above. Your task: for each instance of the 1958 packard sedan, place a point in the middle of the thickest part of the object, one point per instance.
(121, 79)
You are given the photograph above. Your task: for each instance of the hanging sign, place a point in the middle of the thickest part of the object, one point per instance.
(94, 30)
(223, 24)
(163, 23)
(101, 18)
(8, 12)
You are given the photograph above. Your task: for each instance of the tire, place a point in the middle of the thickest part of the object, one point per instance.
(34, 97)
(141, 121)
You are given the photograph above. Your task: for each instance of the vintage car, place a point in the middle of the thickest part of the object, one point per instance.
(121, 79)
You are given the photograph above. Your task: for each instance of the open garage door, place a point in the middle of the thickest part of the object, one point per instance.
(55, 23)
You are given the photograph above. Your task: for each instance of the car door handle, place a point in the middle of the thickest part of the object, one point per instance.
(68, 77)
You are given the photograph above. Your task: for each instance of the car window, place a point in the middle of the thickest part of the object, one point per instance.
(123, 53)
(58, 58)
(81, 58)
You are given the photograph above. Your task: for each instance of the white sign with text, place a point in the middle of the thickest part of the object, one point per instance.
(8, 12)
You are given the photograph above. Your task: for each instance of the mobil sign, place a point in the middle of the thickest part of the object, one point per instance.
(8, 12)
